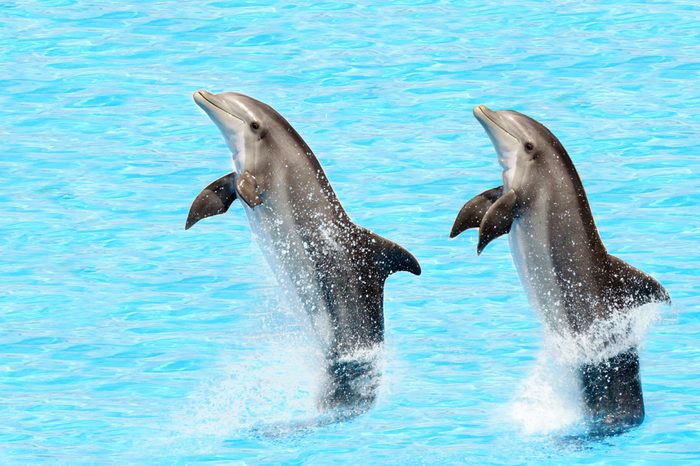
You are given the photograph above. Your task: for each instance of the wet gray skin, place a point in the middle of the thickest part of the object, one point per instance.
(562, 263)
(334, 269)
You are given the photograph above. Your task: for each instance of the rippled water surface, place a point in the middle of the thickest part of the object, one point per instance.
(126, 339)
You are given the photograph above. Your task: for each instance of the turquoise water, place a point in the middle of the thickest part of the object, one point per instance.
(126, 339)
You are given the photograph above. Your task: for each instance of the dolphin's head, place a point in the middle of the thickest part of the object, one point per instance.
(245, 123)
(526, 149)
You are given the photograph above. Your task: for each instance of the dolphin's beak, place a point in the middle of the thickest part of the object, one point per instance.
(205, 99)
(492, 123)
(207, 102)
(481, 111)
(199, 95)
(487, 117)
(214, 106)
(200, 98)
(505, 143)
(221, 109)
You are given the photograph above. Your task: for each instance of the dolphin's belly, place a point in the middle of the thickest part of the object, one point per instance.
(532, 256)
(282, 244)
(292, 251)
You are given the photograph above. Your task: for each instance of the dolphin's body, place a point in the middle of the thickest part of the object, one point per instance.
(335, 269)
(568, 274)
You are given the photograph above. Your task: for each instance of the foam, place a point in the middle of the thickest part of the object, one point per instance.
(605, 338)
(277, 388)
(277, 384)
(549, 400)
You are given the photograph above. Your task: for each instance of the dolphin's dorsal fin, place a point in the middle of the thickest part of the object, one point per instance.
(473, 211)
(388, 256)
(215, 199)
(498, 220)
(630, 287)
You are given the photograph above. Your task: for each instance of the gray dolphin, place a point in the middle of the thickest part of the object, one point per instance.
(335, 268)
(568, 274)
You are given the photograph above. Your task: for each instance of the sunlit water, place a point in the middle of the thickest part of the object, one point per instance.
(126, 339)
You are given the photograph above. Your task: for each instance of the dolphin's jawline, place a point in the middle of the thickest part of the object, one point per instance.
(219, 107)
(496, 123)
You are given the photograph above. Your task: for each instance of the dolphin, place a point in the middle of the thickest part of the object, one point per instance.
(569, 276)
(333, 268)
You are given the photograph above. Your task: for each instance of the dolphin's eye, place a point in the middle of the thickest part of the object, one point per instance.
(529, 146)
(255, 125)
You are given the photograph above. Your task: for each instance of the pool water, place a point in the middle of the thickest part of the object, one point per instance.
(125, 339)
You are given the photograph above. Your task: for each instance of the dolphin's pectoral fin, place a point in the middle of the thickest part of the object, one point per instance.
(215, 199)
(630, 287)
(497, 220)
(473, 211)
(388, 256)
(248, 190)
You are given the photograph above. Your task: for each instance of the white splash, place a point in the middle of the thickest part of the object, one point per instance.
(277, 384)
(549, 401)
(605, 338)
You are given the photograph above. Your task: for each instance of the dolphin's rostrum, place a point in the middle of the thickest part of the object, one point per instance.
(333, 267)
(561, 260)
